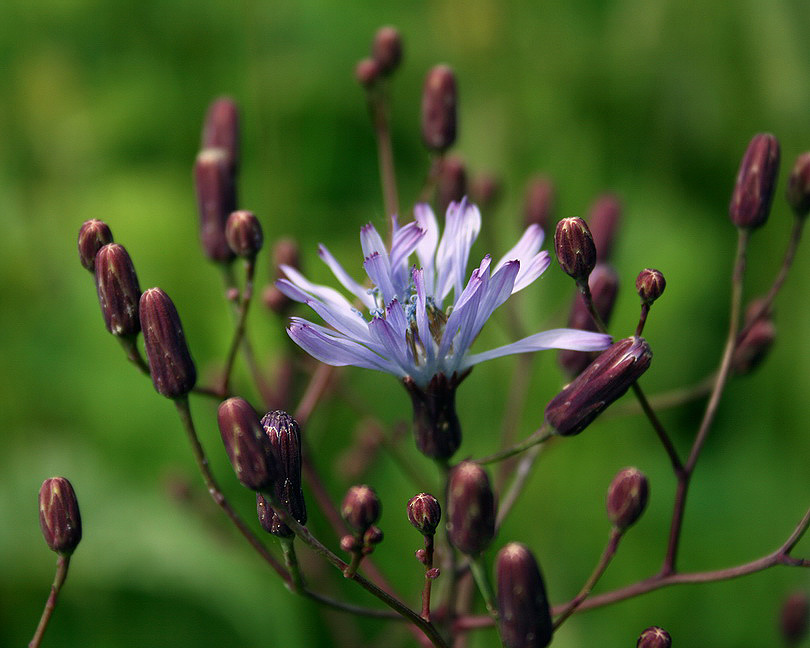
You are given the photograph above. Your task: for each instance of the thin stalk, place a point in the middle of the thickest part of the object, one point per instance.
(541, 435)
(241, 319)
(665, 400)
(428, 580)
(62, 563)
(522, 473)
(481, 577)
(378, 105)
(291, 562)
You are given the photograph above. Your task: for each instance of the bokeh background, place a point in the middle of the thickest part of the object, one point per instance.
(100, 113)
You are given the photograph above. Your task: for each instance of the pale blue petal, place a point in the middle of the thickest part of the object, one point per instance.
(426, 248)
(335, 350)
(528, 245)
(395, 345)
(343, 277)
(422, 321)
(530, 271)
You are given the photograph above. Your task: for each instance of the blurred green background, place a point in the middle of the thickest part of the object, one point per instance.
(101, 105)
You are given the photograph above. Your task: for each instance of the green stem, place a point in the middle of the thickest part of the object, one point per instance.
(542, 435)
(481, 576)
(291, 562)
(62, 564)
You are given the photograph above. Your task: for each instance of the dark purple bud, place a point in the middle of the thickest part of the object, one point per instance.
(244, 234)
(606, 379)
(216, 199)
(435, 423)
(247, 445)
(350, 544)
(361, 508)
(485, 191)
(538, 206)
(118, 290)
(285, 439)
(421, 556)
(574, 247)
(650, 285)
(93, 235)
(433, 573)
(386, 49)
(452, 184)
(627, 498)
(59, 516)
(424, 513)
(170, 364)
(221, 129)
(793, 619)
(756, 181)
(754, 344)
(798, 188)
(270, 520)
(367, 71)
(373, 536)
(470, 508)
(654, 637)
(439, 106)
(524, 615)
(603, 221)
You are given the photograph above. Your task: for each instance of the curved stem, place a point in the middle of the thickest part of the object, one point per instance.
(62, 564)
(241, 319)
(542, 435)
(674, 459)
(522, 473)
(378, 106)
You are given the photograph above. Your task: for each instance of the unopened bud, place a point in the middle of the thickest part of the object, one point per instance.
(452, 184)
(93, 235)
(367, 71)
(603, 381)
(798, 188)
(118, 290)
(436, 426)
(285, 252)
(756, 181)
(361, 508)
(284, 435)
(627, 498)
(270, 520)
(386, 49)
(221, 129)
(421, 556)
(793, 619)
(603, 221)
(439, 106)
(373, 536)
(244, 234)
(170, 364)
(433, 573)
(59, 516)
(470, 508)
(275, 300)
(538, 206)
(350, 544)
(654, 637)
(650, 285)
(424, 513)
(485, 191)
(524, 615)
(574, 247)
(216, 199)
(247, 445)
(754, 345)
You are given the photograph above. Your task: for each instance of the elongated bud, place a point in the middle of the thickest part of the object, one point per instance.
(285, 252)
(606, 379)
(436, 427)
(603, 220)
(285, 439)
(367, 72)
(798, 188)
(439, 106)
(246, 443)
(538, 205)
(361, 508)
(650, 285)
(754, 344)
(386, 49)
(216, 199)
(93, 235)
(486, 191)
(654, 637)
(627, 498)
(170, 364)
(424, 513)
(221, 129)
(576, 252)
(270, 520)
(118, 290)
(756, 181)
(524, 615)
(59, 516)
(452, 185)
(793, 618)
(470, 508)
(244, 234)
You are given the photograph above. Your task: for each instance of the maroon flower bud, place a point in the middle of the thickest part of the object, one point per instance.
(270, 520)
(606, 379)
(221, 129)
(373, 536)
(285, 439)
(424, 513)
(753, 345)
(59, 516)
(485, 191)
(244, 234)
(439, 106)
(350, 544)
(538, 206)
(216, 199)
(170, 364)
(650, 285)
(421, 556)
(93, 235)
(247, 445)
(361, 508)
(367, 71)
(435, 423)
(574, 247)
(627, 498)
(470, 508)
(285, 252)
(756, 181)
(798, 188)
(118, 290)
(452, 184)
(654, 637)
(524, 615)
(603, 221)
(386, 49)
(793, 619)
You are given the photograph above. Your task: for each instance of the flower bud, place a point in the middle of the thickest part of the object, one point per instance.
(285, 252)
(753, 345)
(361, 508)
(247, 445)
(603, 221)
(270, 520)
(439, 106)
(627, 498)
(452, 184)
(793, 619)
(367, 71)
(386, 49)
(654, 637)
(606, 379)
(285, 440)
(170, 364)
(118, 290)
(424, 513)
(470, 508)
(524, 615)
(373, 536)
(538, 206)
(756, 181)
(221, 129)
(59, 516)
(93, 235)
(485, 191)
(244, 234)
(650, 285)
(436, 426)
(216, 199)
(798, 188)
(574, 247)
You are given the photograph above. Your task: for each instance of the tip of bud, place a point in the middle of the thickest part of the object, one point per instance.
(221, 129)
(524, 615)
(361, 508)
(367, 71)
(452, 183)
(439, 108)
(576, 252)
(424, 513)
(650, 285)
(59, 516)
(627, 498)
(386, 49)
(538, 205)
(793, 619)
(216, 198)
(603, 220)
(756, 180)
(798, 188)
(654, 637)
(756, 340)
(244, 234)
(284, 435)
(118, 290)
(246, 443)
(93, 235)
(470, 508)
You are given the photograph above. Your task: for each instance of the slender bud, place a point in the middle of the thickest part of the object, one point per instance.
(452, 185)
(93, 235)
(59, 516)
(606, 379)
(285, 439)
(285, 252)
(221, 129)
(424, 513)
(756, 181)
(755, 343)
(798, 188)
(627, 498)
(470, 508)
(654, 637)
(170, 364)
(485, 191)
(439, 106)
(244, 234)
(538, 206)
(247, 445)
(373, 536)
(386, 49)
(435, 423)
(216, 199)
(270, 520)
(118, 290)
(650, 285)
(793, 619)
(367, 71)
(361, 508)
(574, 247)
(603, 220)
(524, 615)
